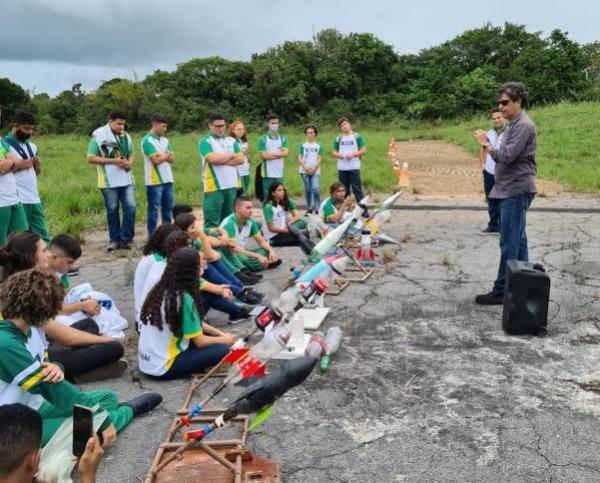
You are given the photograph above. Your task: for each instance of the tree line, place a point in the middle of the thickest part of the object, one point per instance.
(356, 75)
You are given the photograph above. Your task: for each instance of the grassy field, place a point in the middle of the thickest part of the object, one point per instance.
(567, 136)
(567, 153)
(74, 203)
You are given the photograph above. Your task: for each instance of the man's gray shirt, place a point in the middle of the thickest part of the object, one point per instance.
(515, 159)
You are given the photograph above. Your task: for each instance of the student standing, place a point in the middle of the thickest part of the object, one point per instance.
(12, 214)
(310, 154)
(27, 168)
(348, 148)
(273, 148)
(111, 150)
(158, 157)
(220, 156)
(237, 130)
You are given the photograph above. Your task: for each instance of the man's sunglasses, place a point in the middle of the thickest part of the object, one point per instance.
(504, 102)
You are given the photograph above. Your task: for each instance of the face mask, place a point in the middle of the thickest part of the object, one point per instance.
(21, 136)
(274, 127)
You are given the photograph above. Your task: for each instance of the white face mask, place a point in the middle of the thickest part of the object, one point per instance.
(274, 126)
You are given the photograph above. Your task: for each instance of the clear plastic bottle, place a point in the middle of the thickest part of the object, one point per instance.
(333, 340)
(315, 346)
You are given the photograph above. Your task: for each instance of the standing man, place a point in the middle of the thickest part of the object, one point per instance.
(12, 214)
(27, 168)
(111, 150)
(515, 184)
(220, 156)
(488, 165)
(158, 157)
(273, 148)
(348, 148)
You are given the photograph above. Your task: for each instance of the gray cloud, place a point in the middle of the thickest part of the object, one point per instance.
(52, 44)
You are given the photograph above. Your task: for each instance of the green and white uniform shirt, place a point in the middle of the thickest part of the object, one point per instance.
(9, 195)
(119, 146)
(241, 234)
(310, 152)
(156, 174)
(348, 144)
(243, 169)
(268, 144)
(278, 216)
(328, 209)
(218, 177)
(27, 185)
(21, 365)
(157, 349)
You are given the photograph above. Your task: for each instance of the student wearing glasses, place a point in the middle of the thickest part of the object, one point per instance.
(221, 155)
(514, 181)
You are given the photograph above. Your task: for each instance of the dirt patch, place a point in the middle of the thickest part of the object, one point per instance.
(442, 170)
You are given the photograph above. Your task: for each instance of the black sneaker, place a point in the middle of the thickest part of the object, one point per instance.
(488, 231)
(275, 264)
(249, 297)
(112, 246)
(143, 403)
(125, 245)
(252, 274)
(491, 298)
(245, 278)
(243, 314)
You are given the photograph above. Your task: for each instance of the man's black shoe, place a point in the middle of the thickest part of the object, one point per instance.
(275, 264)
(488, 231)
(249, 297)
(252, 274)
(143, 403)
(491, 298)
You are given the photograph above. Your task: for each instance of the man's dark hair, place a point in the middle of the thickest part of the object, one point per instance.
(241, 199)
(311, 126)
(495, 110)
(215, 116)
(158, 118)
(179, 209)
(20, 435)
(272, 116)
(67, 244)
(24, 117)
(341, 120)
(114, 115)
(515, 91)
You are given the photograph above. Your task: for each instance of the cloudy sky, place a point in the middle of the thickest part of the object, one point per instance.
(48, 45)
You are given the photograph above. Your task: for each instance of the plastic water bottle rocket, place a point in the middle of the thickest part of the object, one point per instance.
(333, 340)
(386, 204)
(317, 225)
(365, 252)
(375, 223)
(327, 244)
(315, 345)
(382, 238)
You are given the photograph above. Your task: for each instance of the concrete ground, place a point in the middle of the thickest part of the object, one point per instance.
(426, 386)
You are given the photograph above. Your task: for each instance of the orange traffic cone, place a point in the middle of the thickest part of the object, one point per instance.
(403, 178)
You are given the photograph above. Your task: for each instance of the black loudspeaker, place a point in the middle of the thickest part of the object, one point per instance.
(526, 297)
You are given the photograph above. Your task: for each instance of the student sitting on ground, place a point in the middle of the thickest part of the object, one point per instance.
(215, 271)
(214, 296)
(218, 238)
(152, 255)
(174, 341)
(240, 227)
(335, 209)
(21, 447)
(29, 379)
(84, 354)
(283, 226)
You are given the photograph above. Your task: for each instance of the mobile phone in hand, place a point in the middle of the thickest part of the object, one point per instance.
(83, 419)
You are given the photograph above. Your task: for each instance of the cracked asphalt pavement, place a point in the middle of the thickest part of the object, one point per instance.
(426, 386)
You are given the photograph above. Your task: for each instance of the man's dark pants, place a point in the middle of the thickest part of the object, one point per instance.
(493, 204)
(351, 179)
(513, 239)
